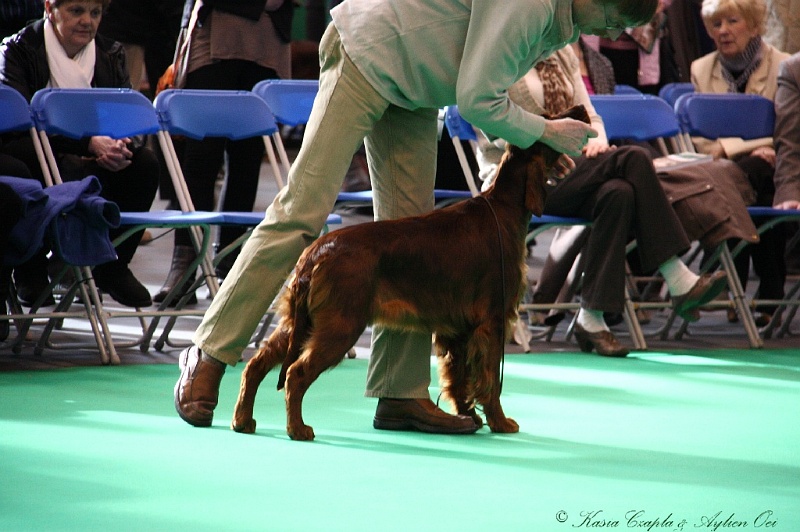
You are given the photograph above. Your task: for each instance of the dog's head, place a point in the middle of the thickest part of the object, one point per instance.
(537, 160)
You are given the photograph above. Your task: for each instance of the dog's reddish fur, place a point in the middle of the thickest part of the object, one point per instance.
(438, 273)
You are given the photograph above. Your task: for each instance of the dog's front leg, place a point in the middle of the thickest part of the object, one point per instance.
(451, 354)
(496, 418)
(485, 349)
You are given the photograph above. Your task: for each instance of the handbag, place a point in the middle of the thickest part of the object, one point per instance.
(174, 77)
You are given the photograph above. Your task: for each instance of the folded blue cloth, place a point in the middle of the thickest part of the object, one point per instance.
(72, 218)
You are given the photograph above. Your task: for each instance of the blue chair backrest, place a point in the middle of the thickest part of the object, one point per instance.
(198, 114)
(290, 100)
(672, 91)
(747, 116)
(15, 114)
(626, 89)
(642, 117)
(78, 113)
(457, 126)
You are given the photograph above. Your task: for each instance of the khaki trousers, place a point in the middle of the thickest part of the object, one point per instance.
(401, 151)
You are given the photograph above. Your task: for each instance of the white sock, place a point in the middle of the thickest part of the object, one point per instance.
(592, 320)
(680, 279)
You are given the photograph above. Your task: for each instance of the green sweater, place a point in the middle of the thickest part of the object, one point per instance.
(434, 53)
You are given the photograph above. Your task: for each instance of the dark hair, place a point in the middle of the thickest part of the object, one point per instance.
(634, 12)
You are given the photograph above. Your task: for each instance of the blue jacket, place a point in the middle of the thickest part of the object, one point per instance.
(72, 218)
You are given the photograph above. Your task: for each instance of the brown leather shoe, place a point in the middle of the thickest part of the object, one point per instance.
(197, 389)
(604, 342)
(707, 287)
(421, 415)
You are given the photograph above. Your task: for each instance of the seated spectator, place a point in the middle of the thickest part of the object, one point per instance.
(63, 50)
(787, 148)
(618, 190)
(744, 63)
(557, 277)
(787, 135)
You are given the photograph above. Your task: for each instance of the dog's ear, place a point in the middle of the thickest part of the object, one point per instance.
(577, 112)
(532, 166)
(535, 190)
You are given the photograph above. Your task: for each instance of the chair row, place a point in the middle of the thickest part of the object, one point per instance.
(650, 118)
(119, 113)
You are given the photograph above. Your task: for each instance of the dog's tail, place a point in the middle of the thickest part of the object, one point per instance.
(296, 318)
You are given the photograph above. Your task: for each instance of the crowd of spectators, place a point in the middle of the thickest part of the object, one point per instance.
(721, 46)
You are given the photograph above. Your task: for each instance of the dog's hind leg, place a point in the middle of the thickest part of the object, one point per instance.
(329, 342)
(451, 353)
(270, 354)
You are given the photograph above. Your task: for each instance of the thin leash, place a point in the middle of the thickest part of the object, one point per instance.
(503, 286)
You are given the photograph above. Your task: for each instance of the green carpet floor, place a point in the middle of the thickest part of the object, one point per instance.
(660, 441)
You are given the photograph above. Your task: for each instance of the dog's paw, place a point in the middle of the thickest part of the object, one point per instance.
(504, 426)
(301, 433)
(475, 417)
(247, 427)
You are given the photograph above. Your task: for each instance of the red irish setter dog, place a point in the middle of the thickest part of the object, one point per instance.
(456, 272)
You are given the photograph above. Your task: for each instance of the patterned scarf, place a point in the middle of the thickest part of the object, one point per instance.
(556, 97)
(737, 70)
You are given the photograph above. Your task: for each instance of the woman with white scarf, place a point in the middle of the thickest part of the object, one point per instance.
(63, 50)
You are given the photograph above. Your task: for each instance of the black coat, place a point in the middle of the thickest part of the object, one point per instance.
(23, 66)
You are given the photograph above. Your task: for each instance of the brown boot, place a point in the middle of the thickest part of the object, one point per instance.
(707, 287)
(420, 414)
(197, 389)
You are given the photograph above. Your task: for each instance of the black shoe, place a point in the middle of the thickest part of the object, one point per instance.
(28, 293)
(31, 281)
(421, 415)
(123, 287)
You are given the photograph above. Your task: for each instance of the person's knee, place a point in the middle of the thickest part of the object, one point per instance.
(616, 193)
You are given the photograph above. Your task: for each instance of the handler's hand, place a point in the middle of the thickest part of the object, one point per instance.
(567, 135)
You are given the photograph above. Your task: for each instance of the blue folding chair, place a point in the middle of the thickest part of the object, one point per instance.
(15, 116)
(638, 117)
(626, 89)
(291, 102)
(670, 92)
(459, 129)
(746, 116)
(198, 114)
(119, 113)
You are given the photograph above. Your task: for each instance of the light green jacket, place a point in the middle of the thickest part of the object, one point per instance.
(433, 53)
